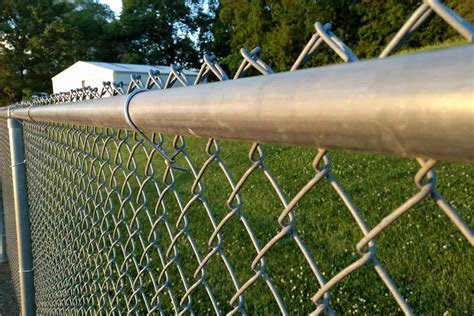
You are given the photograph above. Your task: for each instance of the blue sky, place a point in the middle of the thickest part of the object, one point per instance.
(115, 5)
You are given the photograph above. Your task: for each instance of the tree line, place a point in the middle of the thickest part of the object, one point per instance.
(40, 38)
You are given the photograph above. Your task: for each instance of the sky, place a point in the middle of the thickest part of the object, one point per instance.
(115, 5)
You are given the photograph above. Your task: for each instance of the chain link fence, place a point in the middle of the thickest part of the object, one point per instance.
(124, 221)
(8, 206)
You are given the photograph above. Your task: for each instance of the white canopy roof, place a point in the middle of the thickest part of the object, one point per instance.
(129, 68)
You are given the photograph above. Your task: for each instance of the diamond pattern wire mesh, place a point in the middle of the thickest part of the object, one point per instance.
(117, 227)
(7, 199)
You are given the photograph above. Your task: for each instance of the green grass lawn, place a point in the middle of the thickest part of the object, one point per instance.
(425, 254)
(456, 41)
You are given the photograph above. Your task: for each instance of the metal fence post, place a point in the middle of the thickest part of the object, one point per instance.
(20, 199)
(3, 243)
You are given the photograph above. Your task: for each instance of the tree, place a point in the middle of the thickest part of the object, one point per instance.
(242, 24)
(163, 32)
(381, 20)
(41, 38)
(282, 27)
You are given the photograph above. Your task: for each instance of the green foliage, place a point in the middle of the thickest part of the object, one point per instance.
(156, 32)
(381, 22)
(41, 38)
(163, 32)
(282, 27)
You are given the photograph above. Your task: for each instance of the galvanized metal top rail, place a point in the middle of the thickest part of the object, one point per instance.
(410, 105)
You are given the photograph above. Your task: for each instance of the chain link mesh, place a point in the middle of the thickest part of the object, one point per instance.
(6, 187)
(124, 221)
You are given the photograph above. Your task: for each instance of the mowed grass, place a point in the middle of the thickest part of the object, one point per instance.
(453, 42)
(428, 258)
(425, 254)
